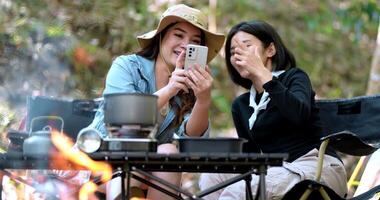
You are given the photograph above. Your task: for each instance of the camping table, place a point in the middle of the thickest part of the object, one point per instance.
(124, 163)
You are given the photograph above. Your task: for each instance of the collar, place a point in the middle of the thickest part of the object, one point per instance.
(263, 101)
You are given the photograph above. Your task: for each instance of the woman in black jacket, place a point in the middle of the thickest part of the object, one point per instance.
(277, 115)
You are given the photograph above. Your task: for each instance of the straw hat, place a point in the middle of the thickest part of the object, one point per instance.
(181, 13)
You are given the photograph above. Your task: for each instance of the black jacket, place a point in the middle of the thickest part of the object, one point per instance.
(289, 124)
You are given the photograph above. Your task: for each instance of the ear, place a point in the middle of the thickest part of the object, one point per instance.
(270, 51)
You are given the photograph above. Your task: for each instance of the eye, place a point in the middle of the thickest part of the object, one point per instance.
(196, 41)
(178, 35)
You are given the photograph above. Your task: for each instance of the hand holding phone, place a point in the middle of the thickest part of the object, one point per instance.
(195, 54)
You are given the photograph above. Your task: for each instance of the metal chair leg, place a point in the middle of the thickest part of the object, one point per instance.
(324, 193)
(306, 194)
(248, 189)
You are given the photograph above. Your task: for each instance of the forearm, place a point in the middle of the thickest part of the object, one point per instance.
(198, 121)
(164, 95)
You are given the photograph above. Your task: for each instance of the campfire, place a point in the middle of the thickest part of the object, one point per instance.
(65, 148)
(71, 174)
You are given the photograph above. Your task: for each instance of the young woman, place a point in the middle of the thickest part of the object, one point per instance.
(277, 115)
(184, 97)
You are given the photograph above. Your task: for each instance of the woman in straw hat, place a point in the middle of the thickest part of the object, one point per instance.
(184, 97)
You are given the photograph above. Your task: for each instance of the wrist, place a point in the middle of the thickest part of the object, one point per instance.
(203, 102)
(265, 77)
(168, 91)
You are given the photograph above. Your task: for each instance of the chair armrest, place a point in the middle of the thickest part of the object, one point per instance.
(349, 143)
(369, 194)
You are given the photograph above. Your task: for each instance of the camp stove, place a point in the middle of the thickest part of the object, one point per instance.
(131, 123)
(119, 138)
(130, 138)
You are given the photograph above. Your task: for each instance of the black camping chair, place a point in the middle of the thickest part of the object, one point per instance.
(76, 114)
(352, 126)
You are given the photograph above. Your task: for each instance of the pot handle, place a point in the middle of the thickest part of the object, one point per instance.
(39, 118)
(85, 106)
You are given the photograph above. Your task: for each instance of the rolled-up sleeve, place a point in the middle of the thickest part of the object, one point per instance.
(182, 129)
(98, 122)
(120, 77)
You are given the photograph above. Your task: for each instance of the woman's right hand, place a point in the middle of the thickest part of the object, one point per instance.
(177, 80)
(249, 63)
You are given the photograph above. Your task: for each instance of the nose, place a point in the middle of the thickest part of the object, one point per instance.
(185, 42)
(183, 45)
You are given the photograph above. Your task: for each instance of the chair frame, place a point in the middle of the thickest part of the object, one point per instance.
(344, 135)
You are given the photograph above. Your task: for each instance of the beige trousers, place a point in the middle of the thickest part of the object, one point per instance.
(279, 180)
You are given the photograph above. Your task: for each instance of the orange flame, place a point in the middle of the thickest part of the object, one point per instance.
(87, 190)
(64, 146)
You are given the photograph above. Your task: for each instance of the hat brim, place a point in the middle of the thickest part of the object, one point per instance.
(214, 41)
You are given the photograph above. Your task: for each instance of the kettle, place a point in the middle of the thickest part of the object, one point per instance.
(39, 142)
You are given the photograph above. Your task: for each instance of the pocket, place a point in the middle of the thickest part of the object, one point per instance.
(305, 166)
(294, 169)
(289, 176)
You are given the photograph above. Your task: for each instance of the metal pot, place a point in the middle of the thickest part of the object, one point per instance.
(130, 109)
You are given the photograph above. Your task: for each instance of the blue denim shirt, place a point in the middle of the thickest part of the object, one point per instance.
(136, 74)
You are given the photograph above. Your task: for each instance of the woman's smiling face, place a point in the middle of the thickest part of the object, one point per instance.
(176, 39)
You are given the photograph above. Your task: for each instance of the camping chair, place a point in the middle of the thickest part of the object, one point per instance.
(76, 114)
(352, 127)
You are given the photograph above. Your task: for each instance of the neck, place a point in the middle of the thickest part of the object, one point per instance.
(162, 72)
(162, 67)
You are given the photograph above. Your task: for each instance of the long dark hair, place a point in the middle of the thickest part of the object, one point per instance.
(187, 100)
(282, 60)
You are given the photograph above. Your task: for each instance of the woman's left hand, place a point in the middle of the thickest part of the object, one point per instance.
(200, 81)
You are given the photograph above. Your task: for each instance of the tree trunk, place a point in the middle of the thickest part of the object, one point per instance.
(212, 16)
(374, 76)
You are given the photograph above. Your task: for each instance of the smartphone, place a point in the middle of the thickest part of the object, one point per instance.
(196, 54)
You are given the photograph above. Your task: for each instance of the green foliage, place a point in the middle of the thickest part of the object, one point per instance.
(332, 40)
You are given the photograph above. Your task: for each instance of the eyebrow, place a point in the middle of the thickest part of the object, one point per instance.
(244, 41)
(180, 29)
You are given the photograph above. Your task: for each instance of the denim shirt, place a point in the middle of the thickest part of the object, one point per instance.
(136, 74)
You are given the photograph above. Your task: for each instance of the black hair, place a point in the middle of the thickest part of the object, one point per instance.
(282, 60)
(153, 49)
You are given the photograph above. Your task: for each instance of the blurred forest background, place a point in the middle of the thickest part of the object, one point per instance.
(64, 48)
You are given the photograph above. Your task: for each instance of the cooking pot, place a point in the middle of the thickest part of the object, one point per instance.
(39, 142)
(130, 109)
